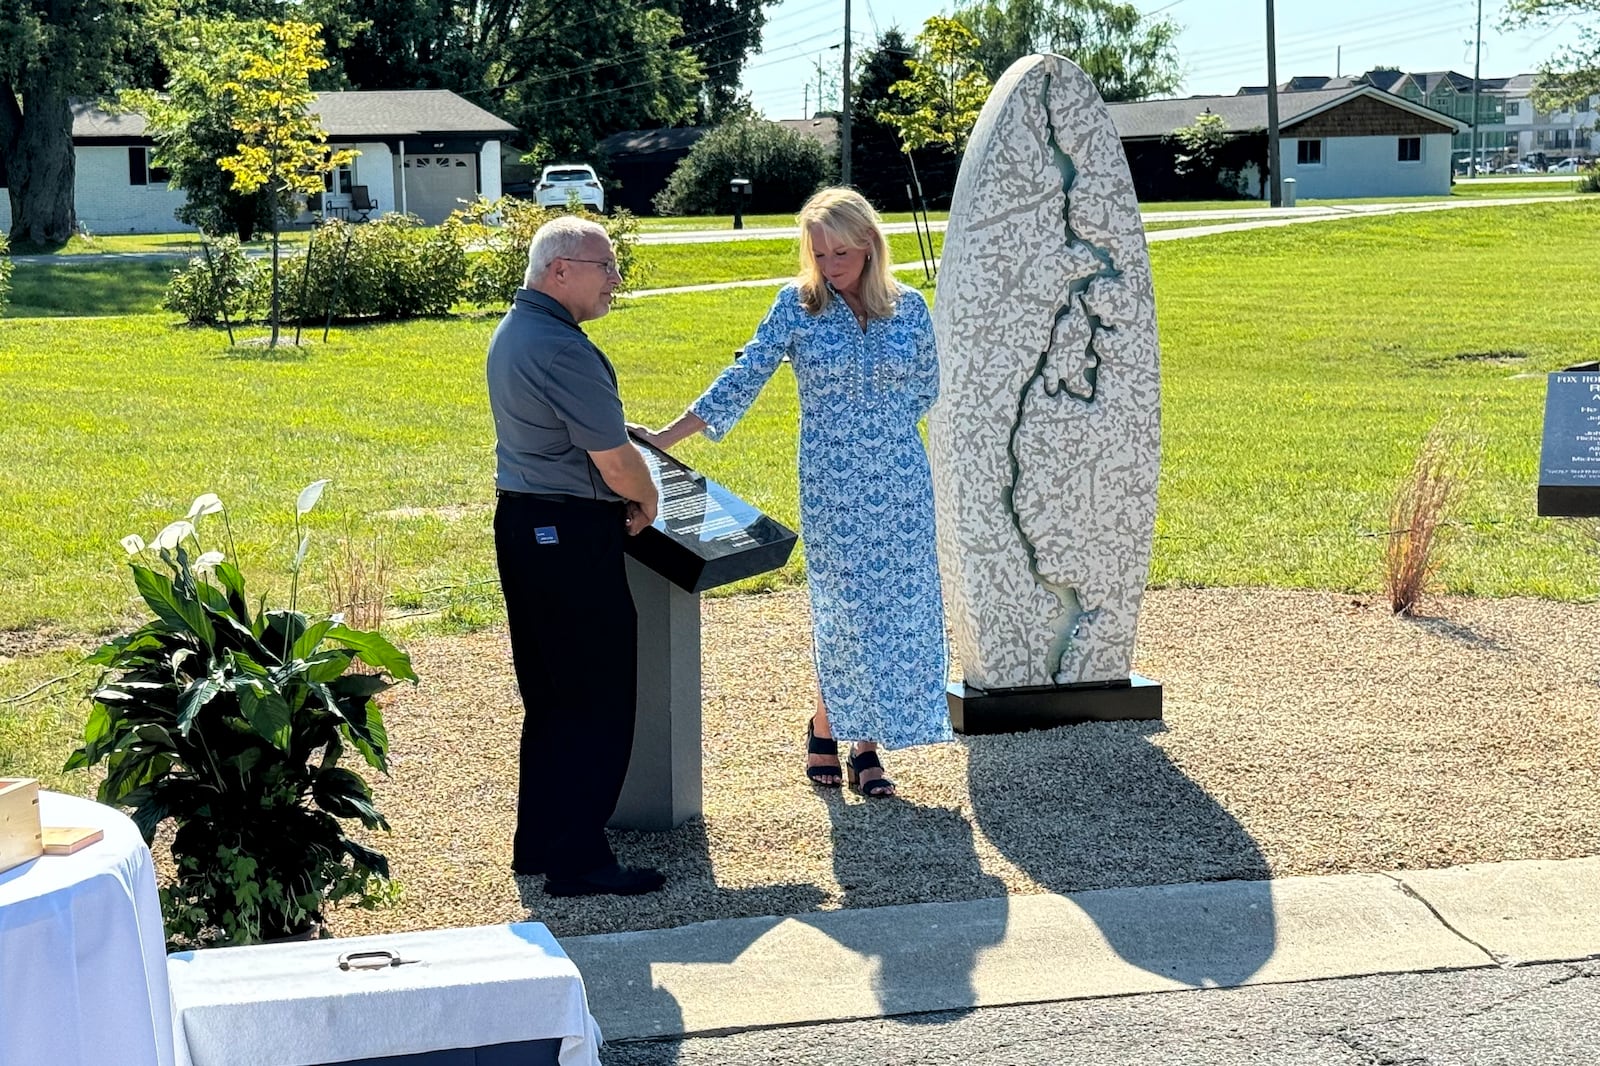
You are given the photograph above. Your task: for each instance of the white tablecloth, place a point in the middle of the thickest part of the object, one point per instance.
(291, 1005)
(83, 974)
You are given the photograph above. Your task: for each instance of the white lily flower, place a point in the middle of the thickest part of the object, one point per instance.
(309, 497)
(207, 562)
(300, 556)
(207, 503)
(133, 543)
(174, 534)
(337, 618)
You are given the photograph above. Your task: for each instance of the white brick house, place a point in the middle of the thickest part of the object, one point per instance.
(422, 151)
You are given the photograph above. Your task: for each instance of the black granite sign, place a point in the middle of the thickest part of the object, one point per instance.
(1569, 461)
(704, 535)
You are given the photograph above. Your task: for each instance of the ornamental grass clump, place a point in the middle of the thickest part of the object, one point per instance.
(231, 722)
(1418, 518)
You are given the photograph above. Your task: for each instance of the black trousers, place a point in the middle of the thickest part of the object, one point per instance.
(574, 644)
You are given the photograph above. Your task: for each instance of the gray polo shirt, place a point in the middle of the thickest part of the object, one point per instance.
(554, 398)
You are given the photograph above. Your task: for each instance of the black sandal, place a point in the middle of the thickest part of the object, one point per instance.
(816, 745)
(882, 788)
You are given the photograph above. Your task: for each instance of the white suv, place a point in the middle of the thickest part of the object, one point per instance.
(557, 183)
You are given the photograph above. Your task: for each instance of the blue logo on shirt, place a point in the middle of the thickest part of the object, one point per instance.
(545, 535)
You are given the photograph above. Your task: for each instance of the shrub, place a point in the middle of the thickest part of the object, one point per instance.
(497, 270)
(784, 168)
(1591, 179)
(391, 267)
(5, 272)
(231, 723)
(224, 277)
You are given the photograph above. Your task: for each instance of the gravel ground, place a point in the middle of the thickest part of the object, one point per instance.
(1305, 733)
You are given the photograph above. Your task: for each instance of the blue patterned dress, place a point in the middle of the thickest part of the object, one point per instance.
(866, 506)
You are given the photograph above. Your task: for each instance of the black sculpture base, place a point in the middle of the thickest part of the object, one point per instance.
(1016, 710)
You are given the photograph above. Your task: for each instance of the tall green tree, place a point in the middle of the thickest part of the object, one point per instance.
(879, 166)
(721, 34)
(939, 103)
(1128, 56)
(1572, 75)
(193, 122)
(52, 53)
(281, 144)
(572, 75)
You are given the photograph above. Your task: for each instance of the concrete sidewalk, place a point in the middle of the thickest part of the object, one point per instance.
(760, 973)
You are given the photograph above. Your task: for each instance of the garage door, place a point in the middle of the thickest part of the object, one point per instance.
(435, 184)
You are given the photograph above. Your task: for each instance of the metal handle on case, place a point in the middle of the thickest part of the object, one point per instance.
(370, 960)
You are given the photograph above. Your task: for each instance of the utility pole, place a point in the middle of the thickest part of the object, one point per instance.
(844, 118)
(1477, 56)
(1273, 169)
(805, 106)
(1338, 61)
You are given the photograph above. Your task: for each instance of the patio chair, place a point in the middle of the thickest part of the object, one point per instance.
(361, 205)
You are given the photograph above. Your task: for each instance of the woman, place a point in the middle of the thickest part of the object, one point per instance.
(864, 359)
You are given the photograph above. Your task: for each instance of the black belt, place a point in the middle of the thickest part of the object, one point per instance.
(555, 497)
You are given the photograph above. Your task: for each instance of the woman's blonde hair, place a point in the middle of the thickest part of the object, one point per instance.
(849, 220)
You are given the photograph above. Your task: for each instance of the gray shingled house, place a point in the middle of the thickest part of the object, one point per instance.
(1355, 141)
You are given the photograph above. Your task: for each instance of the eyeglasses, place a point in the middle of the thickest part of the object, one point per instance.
(609, 264)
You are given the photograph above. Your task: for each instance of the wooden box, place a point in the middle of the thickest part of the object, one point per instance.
(21, 838)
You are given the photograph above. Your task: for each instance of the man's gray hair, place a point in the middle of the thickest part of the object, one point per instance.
(560, 238)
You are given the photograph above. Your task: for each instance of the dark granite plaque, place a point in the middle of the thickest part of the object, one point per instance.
(704, 535)
(1569, 461)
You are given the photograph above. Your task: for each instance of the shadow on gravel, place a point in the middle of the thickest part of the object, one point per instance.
(1101, 806)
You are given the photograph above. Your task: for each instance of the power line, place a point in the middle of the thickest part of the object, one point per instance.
(632, 58)
(1322, 33)
(540, 106)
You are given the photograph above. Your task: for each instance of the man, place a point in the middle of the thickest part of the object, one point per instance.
(570, 487)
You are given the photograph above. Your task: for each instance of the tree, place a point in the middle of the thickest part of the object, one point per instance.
(51, 54)
(721, 34)
(573, 75)
(784, 167)
(1572, 75)
(1199, 143)
(940, 102)
(280, 146)
(878, 162)
(193, 123)
(1127, 55)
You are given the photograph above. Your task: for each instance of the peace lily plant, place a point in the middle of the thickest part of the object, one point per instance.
(231, 722)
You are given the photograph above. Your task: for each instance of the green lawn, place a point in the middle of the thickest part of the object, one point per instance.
(672, 265)
(1512, 191)
(178, 243)
(698, 222)
(1301, 368)
(96, 287)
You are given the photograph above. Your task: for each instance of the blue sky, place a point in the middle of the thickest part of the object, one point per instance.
(1222, 44)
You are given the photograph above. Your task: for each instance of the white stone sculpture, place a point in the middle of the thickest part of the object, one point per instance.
(1045, 440)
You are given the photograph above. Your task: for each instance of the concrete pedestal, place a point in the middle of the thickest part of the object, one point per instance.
(662, 790)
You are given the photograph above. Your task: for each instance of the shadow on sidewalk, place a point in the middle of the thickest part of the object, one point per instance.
(1109, 810)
